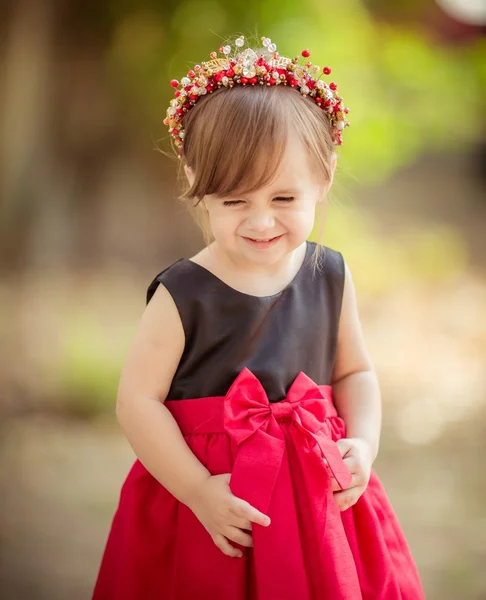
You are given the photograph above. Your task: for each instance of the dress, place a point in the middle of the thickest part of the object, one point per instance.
(252, 397)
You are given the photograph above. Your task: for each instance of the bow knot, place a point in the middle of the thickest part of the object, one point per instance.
(282, 410)
(251, 421)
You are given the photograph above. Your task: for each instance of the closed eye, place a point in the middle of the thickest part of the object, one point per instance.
(232, 202)
(278, 198)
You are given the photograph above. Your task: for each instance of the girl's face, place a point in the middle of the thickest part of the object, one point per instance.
(266, 225)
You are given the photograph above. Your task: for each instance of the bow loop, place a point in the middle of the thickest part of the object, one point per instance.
(246, 407)
(251, 421)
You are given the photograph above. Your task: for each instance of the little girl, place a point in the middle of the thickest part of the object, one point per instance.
(248, 395)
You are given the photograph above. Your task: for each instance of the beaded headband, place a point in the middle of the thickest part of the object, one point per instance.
(250, 67)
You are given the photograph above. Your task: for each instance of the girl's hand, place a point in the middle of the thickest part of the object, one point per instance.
(356, 453)
(224, 516)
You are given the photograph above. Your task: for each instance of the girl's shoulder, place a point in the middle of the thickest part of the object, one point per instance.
(174, 278)
(328, 262)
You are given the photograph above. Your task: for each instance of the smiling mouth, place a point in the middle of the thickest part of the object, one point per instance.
(265, 239)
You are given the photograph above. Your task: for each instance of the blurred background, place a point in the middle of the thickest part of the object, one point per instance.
(89, 214)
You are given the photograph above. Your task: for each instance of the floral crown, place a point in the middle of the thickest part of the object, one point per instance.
(250, 67)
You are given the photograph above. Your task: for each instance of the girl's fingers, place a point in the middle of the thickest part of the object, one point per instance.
(352, 463)
(356, 474)
(241, 523)
(356, 481)
(225, 547)
(347, 498)
(243, 509)
(239, 537)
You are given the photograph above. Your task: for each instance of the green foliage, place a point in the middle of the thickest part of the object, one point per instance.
(381, 263)
(89, 368)
(406, 94)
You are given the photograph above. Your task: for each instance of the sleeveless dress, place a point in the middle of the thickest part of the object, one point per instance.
(252, 396)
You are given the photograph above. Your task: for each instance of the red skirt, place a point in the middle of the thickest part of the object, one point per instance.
(276, 453)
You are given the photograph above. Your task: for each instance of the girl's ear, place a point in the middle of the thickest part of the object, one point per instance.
(189, 174)
(334, 159)
(325, 189)
(190, 178)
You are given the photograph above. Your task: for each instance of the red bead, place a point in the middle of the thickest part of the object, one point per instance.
(305, 53)
(243, 80)
(333, 86)
(191, 74)
(174, 131)
(174, 83)
(177, 94)
(230, 73)
(213, 55)
(326, 70)
(166, 121)
(318, 100)
(346, 110)
(253, 80)
(221, 50)
(308, 64)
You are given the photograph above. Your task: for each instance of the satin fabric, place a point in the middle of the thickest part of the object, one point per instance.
(277, 455)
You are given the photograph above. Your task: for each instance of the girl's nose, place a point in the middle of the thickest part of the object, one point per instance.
(261, 221)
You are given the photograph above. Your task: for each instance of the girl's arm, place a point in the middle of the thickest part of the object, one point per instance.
(156, 438)
(145, 381)
(355, 386)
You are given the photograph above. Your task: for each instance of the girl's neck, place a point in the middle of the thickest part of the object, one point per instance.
(251, 278)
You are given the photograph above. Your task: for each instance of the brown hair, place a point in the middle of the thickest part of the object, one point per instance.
(235, 139)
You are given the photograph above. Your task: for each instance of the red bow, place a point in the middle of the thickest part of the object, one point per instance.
(251, 421)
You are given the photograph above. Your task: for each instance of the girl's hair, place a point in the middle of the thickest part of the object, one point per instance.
(235, 140)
